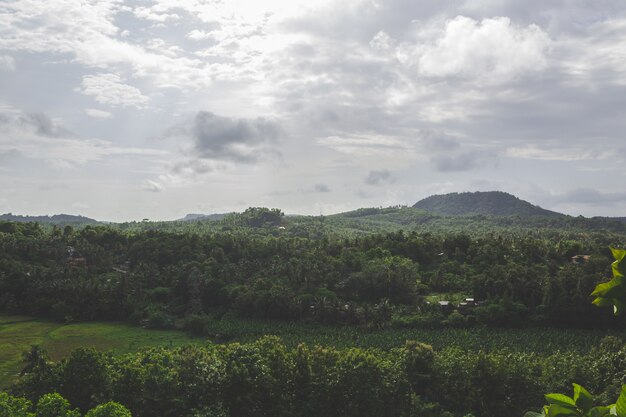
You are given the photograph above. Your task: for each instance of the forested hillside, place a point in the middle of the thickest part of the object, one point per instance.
(495, 203)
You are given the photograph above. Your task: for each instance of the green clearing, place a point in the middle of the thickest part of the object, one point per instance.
(19, 333)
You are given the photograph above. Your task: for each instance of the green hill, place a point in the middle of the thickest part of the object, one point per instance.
(493, 203)
(57, 219)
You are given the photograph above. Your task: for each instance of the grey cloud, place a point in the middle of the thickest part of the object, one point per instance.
(37, 136)
(591, 196)
(224, 138)
(8, 155)
(193, 166)
(44, 125)
(378, 177)
(363, 195)
(437, 141)
(7, 63)
(321, 188)
(52, 187)
(461, 162)
(37, 123)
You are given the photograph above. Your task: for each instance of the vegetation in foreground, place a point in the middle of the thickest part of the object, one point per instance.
(267, 378)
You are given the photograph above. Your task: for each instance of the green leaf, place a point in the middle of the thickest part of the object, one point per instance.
(620, 404)
(582, 398)
(618, 253)
(619, 269)
(556, 410)
(602, 288)
(602, 302)
(600, 411)
(562, 400)
(534, 414)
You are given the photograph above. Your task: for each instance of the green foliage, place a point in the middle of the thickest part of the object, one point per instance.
(613, 293)
(580, 405)
(14, 407)
(85, 378)
(110, 409)
(269, 378)
(54, 405)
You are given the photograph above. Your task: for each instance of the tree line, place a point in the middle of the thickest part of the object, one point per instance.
(266, 378)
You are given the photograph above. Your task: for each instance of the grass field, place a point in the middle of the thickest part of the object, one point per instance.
(18, 334)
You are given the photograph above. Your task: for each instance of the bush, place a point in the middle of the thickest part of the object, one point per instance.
(110, 409)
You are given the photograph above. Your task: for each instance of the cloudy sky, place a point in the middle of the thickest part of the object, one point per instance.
(124, 110)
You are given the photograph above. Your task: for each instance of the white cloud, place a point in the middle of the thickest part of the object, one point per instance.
(110, 90)
(382, 41)
(198, 35)
(366, 145)
(87, 33)
(148, 14)
(152, 186)
(557, 152)
(493, 49)
(98, 114)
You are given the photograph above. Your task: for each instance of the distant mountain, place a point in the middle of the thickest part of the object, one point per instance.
(195, 217)
(494, 203)
(58, 219)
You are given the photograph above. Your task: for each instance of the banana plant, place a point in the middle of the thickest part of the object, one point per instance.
(580, 405)
(613, 293)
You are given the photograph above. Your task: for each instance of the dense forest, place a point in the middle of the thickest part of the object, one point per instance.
(157, 277)
(341, 271)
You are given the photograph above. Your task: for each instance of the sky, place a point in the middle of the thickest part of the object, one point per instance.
(125, 110)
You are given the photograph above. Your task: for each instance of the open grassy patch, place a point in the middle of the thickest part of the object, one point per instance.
(18, 334)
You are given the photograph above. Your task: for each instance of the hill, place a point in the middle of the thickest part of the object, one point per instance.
(197, 217)
(493, 203)
(57, 219)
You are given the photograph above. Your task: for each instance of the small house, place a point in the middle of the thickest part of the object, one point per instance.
(79, 262)
(580, 259)
(445, 305)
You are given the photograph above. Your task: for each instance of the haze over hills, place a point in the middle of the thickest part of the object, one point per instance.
(493, 203)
